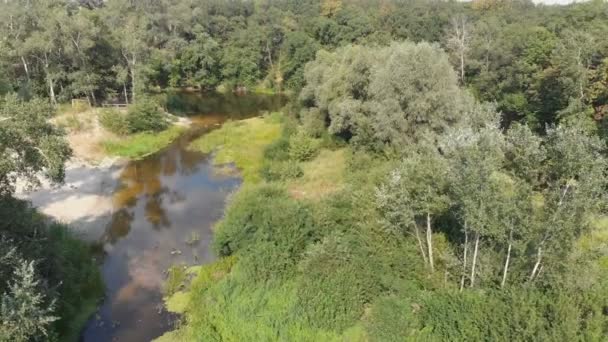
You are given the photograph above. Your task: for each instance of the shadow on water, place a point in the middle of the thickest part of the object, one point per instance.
(159, 203)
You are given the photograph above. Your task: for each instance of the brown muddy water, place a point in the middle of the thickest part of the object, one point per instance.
(163, 210)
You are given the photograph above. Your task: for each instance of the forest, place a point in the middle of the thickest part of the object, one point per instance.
(438, 174)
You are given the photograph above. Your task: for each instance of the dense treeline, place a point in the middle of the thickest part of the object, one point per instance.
(540, 64)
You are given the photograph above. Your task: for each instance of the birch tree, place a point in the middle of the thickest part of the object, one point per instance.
(475, 157)
(417, 187)
(574, 183)
(459, 40)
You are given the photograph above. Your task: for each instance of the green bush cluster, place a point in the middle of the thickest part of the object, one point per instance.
(268, 230)
(281, 171)
(146, 116)
(114, 121)
(302, 147)
(278, 150)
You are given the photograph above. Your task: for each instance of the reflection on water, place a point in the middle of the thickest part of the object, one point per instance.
(158, 204)
(234, 106)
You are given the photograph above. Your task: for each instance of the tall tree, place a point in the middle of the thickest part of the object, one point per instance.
(420, 186)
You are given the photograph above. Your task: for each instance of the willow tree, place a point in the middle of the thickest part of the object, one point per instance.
(389, 96)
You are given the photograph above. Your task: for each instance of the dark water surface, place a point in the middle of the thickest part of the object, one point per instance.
(162, 204)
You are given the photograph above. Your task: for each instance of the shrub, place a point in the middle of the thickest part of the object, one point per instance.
(345, 280)
(175, 279)
(145, 116)
(277, 150)
(314, 122)
(302, 147)
(268, 229)
(281, 170)
(114, 121)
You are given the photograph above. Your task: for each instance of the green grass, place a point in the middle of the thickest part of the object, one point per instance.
(242, 143)
(323, 175)
(140, 145)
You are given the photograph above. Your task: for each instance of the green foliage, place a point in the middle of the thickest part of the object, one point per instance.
(394, 319)
(278, 150)
(267, 229)
(23, 312)
(29, 144)
(281, 171)
(137, 146)
(52, 271)
(146, 116)
(371, 95)
(114, 121)
(302, 147)
(175, 280)
(345, 280)
(507, 316)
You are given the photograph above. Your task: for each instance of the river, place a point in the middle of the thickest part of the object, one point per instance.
(163, 210)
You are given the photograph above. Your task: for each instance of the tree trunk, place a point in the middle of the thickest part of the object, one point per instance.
(51, 90)
(474, 259)
(429, 241)
(49, 79)
(133, 83)
(464, 261)
(462, 66)
(25, 67)
(93, 98)
(420, 243)
(506, 270)
(124, 89)
(539, 256)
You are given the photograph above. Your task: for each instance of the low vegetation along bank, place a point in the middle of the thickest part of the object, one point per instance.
(132, 133)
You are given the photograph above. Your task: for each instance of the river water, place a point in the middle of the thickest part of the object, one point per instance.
(164, 208)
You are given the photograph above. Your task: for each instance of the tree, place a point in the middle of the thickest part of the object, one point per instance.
(475, 159)
(374, 97)
(29, 144)
(23, 312)
(574, 179)
(129, 33)
(459, 40)
(417, 187)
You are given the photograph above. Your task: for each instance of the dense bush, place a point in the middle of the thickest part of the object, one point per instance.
(277, 150)
(267, 229)
(114, 121)
(146, 116)
(302, 147)
(281, 170)
(517, 315)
